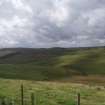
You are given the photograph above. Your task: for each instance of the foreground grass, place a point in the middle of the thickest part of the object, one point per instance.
(52, 93)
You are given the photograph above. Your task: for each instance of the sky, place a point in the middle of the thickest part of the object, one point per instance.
(52, 23)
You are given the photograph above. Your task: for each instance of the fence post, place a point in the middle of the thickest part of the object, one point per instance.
(22, 95)
(32, 99)
(78, 99)
(3, 102)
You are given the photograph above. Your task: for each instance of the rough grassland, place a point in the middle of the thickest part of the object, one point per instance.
(67, 72)
(51, 64)
(53, 93)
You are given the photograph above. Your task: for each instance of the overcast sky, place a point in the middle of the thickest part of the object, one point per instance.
(52, 23)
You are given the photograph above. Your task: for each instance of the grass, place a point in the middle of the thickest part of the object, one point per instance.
(64, 72)
(53, 93)
(51, 64)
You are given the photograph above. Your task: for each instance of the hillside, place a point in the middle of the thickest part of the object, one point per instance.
(51, 63)
(51, 93)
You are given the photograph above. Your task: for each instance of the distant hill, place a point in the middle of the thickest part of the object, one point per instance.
(51, 63)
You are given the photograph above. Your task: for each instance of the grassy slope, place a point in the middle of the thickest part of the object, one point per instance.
(51, 64)
(52, 93)
(48, 64)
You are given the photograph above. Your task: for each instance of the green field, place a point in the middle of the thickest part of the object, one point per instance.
(51, 64)
(52, 93)
(54, 75)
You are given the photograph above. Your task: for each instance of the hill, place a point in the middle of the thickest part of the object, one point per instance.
(51, 63)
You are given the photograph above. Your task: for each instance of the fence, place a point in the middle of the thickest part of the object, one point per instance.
(5, 101)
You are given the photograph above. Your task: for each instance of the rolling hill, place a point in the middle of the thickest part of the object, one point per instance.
(51, 63)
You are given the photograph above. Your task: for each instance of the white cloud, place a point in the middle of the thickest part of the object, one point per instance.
(96, 16)
(59, 16)
(13, 23)
(20, 5)
(82, 37)
(51, 23)
(59, 13)
(102, 41)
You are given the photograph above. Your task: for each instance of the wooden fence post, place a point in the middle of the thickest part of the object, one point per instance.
(32, 99)
(22, 95)
(3, 102)
(78, 99)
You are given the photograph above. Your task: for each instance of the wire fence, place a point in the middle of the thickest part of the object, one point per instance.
(35, 99)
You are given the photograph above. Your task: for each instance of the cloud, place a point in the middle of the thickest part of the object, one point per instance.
(52, 23)
(20, 5)
(59, 13)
